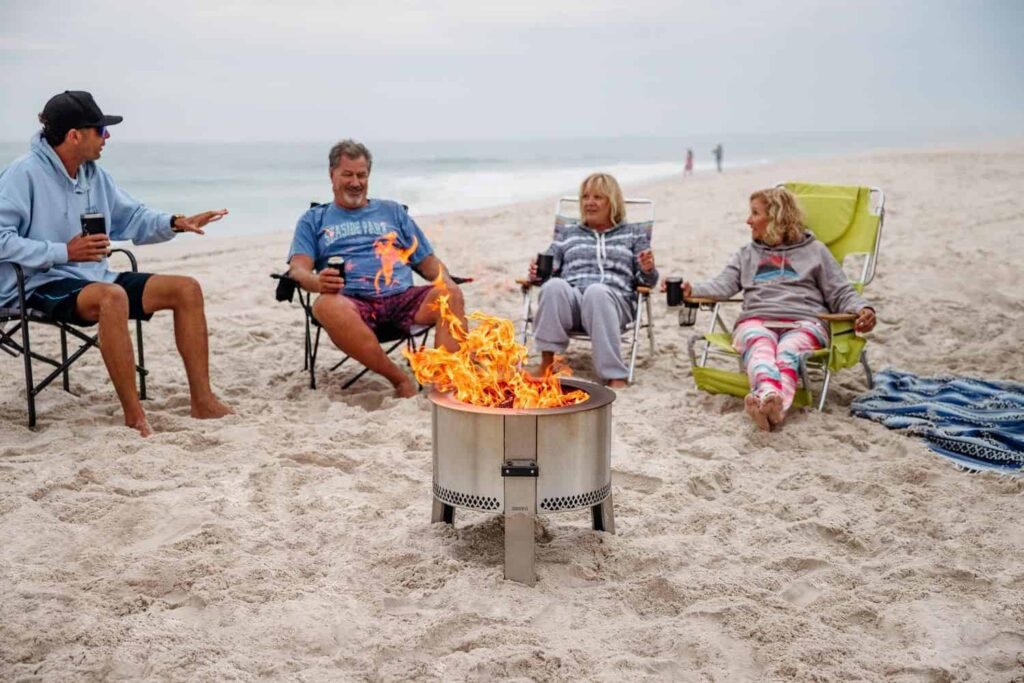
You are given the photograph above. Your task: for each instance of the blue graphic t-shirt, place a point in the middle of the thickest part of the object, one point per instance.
(330, 230)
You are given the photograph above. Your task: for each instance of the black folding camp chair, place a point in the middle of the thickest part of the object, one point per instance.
(391, 338)
(24, 318)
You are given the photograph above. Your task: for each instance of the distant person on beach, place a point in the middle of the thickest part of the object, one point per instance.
(43, 196)
(354, 303)
(597, 263)
(688, 168)
(717, 152)
(788, 278)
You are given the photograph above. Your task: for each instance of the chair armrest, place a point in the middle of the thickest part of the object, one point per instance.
(130, 255)
(19, 275)
(526, 284)
(708, 301)
(838, 317)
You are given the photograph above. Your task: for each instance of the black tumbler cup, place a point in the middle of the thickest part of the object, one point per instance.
(674, 290)
(545, 264)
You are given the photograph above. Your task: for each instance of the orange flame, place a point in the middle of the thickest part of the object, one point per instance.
(389, 255)
(486, 370)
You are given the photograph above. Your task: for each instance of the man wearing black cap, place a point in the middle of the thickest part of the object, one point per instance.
(44, 198)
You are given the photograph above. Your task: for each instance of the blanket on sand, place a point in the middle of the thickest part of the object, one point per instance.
(978, 424)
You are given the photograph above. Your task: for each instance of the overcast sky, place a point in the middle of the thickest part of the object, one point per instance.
(456, 69)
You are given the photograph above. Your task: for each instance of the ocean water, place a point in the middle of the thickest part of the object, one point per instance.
(267, 185)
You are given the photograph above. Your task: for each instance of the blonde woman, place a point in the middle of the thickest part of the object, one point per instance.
(788, 278)
(597, 263)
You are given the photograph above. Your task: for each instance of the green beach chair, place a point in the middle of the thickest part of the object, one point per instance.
(848, 220)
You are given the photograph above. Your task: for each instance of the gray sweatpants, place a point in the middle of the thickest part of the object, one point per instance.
(601, 312)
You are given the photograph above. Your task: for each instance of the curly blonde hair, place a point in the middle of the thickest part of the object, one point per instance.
(785, 219)
(606, 184)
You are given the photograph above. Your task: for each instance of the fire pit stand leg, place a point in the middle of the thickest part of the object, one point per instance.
(520, 509)
(442, 512)
(603, 516)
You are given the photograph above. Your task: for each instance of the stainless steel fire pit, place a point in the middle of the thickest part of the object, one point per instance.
(520, 462)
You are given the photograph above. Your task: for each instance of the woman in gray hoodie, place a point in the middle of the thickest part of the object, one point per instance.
(788, 279)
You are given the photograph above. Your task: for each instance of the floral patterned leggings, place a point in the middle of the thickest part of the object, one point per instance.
(771, 353)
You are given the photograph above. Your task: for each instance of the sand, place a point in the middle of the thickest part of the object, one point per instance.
(293, 540)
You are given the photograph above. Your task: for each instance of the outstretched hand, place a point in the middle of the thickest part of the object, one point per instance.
(865, 320)
(199, 221)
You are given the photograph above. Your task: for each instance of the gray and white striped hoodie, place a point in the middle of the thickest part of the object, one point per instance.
(584, 257)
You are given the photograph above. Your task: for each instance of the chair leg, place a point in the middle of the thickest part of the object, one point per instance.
(527, 306)
(65, 376)
(824, 390)
(29, 390)
(141, 367)
(867, 369)
(650, 324)
(312, 360)
(635, 343)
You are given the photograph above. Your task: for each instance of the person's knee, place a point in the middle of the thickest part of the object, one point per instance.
(456, 300)
(555, 288)
(190, 292)
(113, 301)
(596, 298)
(330, 308)
(598, 292)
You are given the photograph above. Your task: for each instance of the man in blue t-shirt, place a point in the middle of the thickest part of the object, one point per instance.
(370, 234)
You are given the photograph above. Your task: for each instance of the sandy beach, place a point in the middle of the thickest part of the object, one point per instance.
(292, 541)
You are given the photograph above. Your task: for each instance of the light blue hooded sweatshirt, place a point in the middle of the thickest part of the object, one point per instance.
(40, 212)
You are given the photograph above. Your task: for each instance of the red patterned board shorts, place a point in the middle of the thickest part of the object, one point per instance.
(395, 312)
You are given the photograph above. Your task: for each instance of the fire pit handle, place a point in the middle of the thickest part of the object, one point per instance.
(520, 468)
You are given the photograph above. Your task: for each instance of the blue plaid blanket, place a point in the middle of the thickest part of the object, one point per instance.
(977, 424)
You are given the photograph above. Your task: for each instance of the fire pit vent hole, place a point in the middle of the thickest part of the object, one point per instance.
(466, 500)
(583, 500)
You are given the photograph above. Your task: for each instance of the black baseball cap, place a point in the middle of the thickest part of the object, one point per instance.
(75, 109)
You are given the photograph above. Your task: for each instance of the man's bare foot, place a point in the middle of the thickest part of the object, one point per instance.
(617, 384)
(210, 409)
(141, 425)
(753, 406)
(771, 406)
(406, 388)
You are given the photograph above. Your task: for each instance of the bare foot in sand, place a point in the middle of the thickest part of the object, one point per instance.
(141, 425)
(210, 409)
(406, 388)
(753, 406)
(617, 384)
(771, 406)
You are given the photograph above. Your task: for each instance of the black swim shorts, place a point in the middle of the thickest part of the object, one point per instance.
(57, 298)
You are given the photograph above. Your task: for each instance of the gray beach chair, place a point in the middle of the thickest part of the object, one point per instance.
(641, 213)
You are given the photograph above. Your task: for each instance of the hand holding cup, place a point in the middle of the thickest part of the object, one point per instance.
(332, 277)
(88, 248)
